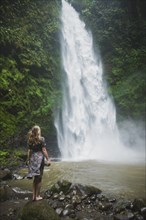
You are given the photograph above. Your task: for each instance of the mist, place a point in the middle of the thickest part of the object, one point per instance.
(132, 135)
(86, 125)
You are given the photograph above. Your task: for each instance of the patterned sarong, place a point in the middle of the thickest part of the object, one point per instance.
(36, 163)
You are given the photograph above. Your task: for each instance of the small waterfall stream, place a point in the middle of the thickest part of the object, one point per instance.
(86, 126)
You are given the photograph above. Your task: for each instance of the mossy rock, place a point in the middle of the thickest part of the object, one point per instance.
(90, 190)
(62, 185)
(85, 190)
(6, 193)
(39, 210)
(5, 174)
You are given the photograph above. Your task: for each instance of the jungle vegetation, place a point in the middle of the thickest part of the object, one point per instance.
(30, 61)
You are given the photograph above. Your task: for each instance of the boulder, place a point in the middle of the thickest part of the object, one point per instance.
(5, 174)
(6, 193)
(126, 215)
(62, 185)
(143, 212)
(84, 190)
(39, 210)
(138, 204)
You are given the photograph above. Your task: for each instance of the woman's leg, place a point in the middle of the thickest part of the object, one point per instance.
(34, 189)
(39, 182)
(38, 187)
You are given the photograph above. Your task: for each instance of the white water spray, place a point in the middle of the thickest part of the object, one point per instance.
(86, 126)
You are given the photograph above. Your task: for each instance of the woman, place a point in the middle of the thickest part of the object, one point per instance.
(36, 153)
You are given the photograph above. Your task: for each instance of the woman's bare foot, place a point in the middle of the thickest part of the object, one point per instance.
(39, 198)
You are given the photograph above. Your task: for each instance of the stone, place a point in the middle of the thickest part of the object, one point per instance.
(74, 192)
(17, 177)
(93, 197)
(48, 194)
(76, 199)
(105, 206)
(5, 174)
(83, 197)
(21, 194)
(6, 193)
(101, 197)
(62, 198)
(124, 216)
(143, 212)
(57, 204)
(119, 207)
(138, 204)
(112, 200)
(84, 190)
(68, 196)
(59, 211)
(39, 210)
(66, 212)
(55, 196)
(138, 217)
(69, 206)
(62, 185)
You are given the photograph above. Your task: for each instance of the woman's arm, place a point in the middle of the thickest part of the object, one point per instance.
(28, 155)
(46, 155)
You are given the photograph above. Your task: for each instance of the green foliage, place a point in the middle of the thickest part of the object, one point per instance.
(30, 60)
(3, 154)
(3, 157)
(29, 65)
(118, 32)
(12, 158)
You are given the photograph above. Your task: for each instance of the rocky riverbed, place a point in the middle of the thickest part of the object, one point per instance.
(66, 200)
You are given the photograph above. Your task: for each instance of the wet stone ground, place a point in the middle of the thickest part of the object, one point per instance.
(70, 201)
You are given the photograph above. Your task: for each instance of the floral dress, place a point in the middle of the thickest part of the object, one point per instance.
(36, 162)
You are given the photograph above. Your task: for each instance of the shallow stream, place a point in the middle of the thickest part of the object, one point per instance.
(119, 180)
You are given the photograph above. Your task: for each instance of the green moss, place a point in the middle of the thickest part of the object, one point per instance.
(62, 185)
(30, 66)
(30, 62)
(38, 211)
(12, 158)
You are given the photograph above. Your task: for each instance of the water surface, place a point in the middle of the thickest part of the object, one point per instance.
(119, 180)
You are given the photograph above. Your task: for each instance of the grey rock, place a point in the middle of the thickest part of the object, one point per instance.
(55, 196)
(62, 198)
(5, 174)
(17, 177)
(66, 212)
(143, 212)
(59, 211)
(138, 204)
(124, 216)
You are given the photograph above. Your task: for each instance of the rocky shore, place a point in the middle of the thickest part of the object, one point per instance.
(66, 200)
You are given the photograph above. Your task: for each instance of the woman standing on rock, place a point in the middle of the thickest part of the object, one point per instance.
(36, 153)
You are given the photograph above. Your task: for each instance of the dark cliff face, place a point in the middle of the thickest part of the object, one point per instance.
(31, 65)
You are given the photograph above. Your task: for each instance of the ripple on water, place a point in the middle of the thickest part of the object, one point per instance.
(116, 179)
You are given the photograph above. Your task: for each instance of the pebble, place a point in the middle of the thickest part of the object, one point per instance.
(74, 201)
(143, 212)
(124, 216)
(59, 211)
(61, 198)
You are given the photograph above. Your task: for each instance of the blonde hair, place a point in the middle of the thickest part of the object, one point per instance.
(34, 135)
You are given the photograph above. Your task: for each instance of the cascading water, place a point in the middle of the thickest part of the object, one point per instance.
(86, 126)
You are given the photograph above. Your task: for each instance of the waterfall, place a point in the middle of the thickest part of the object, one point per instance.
(86, 125)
